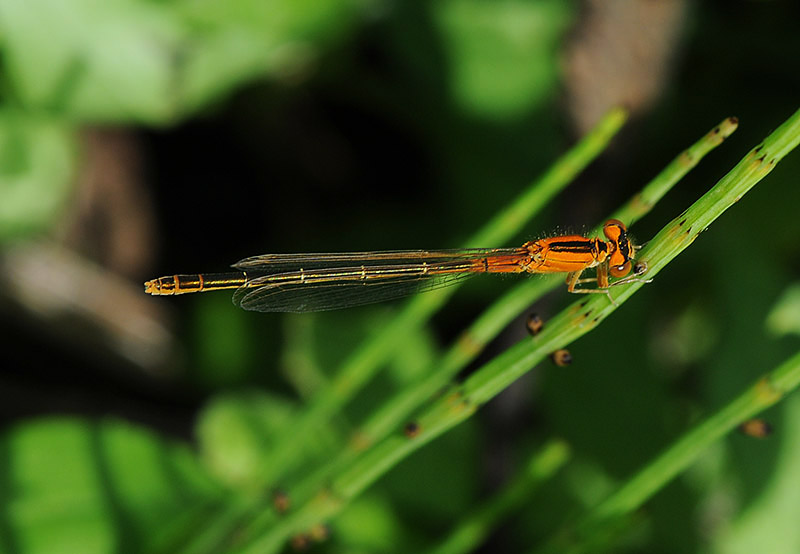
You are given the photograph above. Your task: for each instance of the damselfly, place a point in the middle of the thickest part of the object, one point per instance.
(316, 282)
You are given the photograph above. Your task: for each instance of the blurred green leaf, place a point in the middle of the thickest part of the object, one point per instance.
(370, 524)
(769, 523)
(236, 432)
(37, 164)
(102, 61)
(131, 60)
(413, 362)
(74, 486)
(502, 54)
(685, 338)
(446, 475)
(232, 42)
(784, 318)
(225, 343)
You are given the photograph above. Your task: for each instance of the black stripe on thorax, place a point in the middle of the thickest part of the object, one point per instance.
(572, 246)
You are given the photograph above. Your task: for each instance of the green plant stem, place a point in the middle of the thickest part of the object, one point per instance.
(486, 327)
(492, 321)
(359, 368)
(207, 530)
(642, 202)
(298, 365)
(489, 324)
(465, 349)
(472, 531)
(582, 316)
(765, 392)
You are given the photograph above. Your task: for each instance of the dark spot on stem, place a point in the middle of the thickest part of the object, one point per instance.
(300, 542)
(280, 501)
(757, 428)
(320, 532)
(561, 357)
(411, 429)
(534, 324)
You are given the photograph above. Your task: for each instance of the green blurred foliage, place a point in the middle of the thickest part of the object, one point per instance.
(770, 521)
(37, 166)
(514, 41)
(470, 91)
(225, 345)
(154, 62)
(81, 486)
(236, 433)
(370, 525)
(784, 318)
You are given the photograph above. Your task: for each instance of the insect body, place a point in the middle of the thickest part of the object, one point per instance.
(575, 253)
(316, 282)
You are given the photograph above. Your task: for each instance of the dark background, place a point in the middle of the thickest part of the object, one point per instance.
(166, 138)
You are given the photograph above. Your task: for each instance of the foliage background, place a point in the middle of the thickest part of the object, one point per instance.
(145, 138)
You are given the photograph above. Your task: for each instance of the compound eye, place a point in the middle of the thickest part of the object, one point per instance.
(614, 229)
(620, 270)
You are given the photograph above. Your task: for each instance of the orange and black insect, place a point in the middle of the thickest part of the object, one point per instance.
(316, 282)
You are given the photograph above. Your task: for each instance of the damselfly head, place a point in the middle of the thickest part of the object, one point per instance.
(622, 251)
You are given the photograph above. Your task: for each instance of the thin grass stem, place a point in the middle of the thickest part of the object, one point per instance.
(475, 527)
(365, 362)
(582, 316)
(580, 536)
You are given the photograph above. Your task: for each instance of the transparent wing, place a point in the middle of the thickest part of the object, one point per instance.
(279, 263)
(316, 282)
(266, 296)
